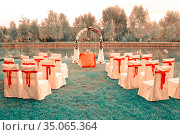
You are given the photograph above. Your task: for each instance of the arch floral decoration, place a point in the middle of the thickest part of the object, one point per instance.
(76, 49)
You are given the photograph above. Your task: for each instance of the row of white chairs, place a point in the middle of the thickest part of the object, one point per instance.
(152, 83)
(29, 83)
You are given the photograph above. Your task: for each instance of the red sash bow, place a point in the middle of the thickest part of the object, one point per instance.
(48, 70)
(57, 60)
(127, 56)
(136, 69)
(9, 75)
(28, 63)
(45, 56)
(28, 77)
(119, 63)
(147, 58)
(133, 59)
(38, 60)
(8, 62)
(153, 67)
(111, 56)
(163, 75)
(169, 62)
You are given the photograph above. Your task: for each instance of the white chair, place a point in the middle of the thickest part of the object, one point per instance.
(63, 65)
(134, 58)
(145, 58)
(56, 80)
(34, 88)
(31, 62)
(45, 55)
(38, 60)
(28, 62)
(59, 69)
(169, 62)
(174, 87)
(111, 61)
(13, 86)
(56, 55)
(8, 60)
(127, 57)
(156, 89)
(149, 70)
(131, 79)
(24, 57)
(118, 67)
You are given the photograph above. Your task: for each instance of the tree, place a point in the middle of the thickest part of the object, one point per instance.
(109, 31)
(170, 33)
(170, 22)
(23, 29)
(155, 31)
(34, 30)
(43, 31)
(13, 32)
(1, 35)
(139, 21)
(66, 31)
(117, 16)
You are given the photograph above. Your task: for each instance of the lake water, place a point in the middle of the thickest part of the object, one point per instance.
(158, 53)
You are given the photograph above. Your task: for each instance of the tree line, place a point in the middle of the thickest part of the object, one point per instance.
(114, 25)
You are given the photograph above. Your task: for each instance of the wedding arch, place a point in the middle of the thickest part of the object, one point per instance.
(76, 49)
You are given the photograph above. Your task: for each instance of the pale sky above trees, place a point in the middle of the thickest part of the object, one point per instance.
(38, 9)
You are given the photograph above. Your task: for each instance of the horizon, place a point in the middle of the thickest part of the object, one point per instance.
(73, 9)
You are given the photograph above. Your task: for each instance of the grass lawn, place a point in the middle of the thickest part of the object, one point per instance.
(88, 95)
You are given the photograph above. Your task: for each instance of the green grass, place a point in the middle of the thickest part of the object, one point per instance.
(88, 94)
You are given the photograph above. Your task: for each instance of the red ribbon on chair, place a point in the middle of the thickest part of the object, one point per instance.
(153, 66)
(136, 69)
(48, 70)
(163, 75)
(111, 56)
(28, 63)
(8, 62)
(38, 60)
(169, 62)
(28, 77)
(133, 59)
(45, 56)
(147, 58)
(9, 75)
(127, 56)
(119, 63)
(57, 60)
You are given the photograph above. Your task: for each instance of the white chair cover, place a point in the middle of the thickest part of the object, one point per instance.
(101, 56)
(13, 86)
(38, 62)
(111, 61)
(149, 70)
(145, 58)
(131, 79)
(56, 80)
(174, 87)
(45, 55)
(156, 89)
(56, 55)
(169, 62)
(127, 57)
(118, 67)
(24, 57)
(109, 67)
(76, 55)
(8, 60)
(34, 88)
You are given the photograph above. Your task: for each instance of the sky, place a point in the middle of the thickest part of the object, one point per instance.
(13, 10)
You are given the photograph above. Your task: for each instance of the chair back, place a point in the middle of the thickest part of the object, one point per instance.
(134, 58)
(38, 60)
(119, 64)
(24, 57)
(8, 60)
(111, 57)
(56, 55)
(127, 57)
(11, 80)
(28, 62)
(145, 58)
(45, 55)
(150, 69)
(57, 61)
(169, 62)
(30, 81)
(161, 82)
